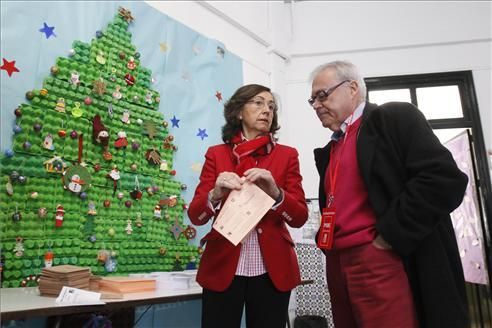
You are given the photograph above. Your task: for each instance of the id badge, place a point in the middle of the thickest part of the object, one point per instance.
(327, 228)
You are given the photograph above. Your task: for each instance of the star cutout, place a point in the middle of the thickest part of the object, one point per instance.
(196, 50)
(202, 133)
(186, 76)
(218, 95)
(9, 66)
(196, 167)
(176, 229)
(220, 51)
(175, 121)
(163, 46)
(48, 30)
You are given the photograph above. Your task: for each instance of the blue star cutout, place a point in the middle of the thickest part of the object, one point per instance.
(202, 133)
(47, 30)
(175, 121)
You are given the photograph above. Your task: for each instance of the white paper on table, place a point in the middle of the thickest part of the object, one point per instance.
(242, 211)
(72, 296)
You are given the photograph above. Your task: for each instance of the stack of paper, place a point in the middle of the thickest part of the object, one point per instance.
(53, 279)
(123, 285)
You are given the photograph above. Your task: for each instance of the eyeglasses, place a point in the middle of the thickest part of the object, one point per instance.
(322, 95)
(259, 104)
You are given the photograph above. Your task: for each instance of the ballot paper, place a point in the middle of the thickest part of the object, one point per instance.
(75, 296)
(242, 211)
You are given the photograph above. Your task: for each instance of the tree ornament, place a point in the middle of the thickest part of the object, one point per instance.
(43, 92)
(14, 175)
(133, 167)
(54, 70)
(128, 203)
(62, 133)
(42, 212)
(190, 232)
(48, 142)
(99, 34)
(37, 127)
(17, 129)
(121, 142)
(131, 63)
(74, 134)
(92, 238)
(121, 55)
(71, 52)
(176, 229)
(22, 179)
(83, 195)
(150, 129)
(114, 175)
(153, 157)
(136, 55)
(77, 111)
(48, 258)
(18, 112)
(111, 232)
(60, 105)
(135, 145)
(34, 194)
(129, 79)
(26, 145)
(138, 221)
(30, 95)
(100, 134)
(139, 121)
(9, 153)
(97, 167)
(126, 117)
(148, 98)
(100, 58)
(87, 100)
(129, 228)
(116, 93)
(75, 78)
(92, 208)
(125, 14)
(157, 212)
(165, 124)
(120, 195)
(184, 187)
(99, 87)
(19, 247)
(107, 203)
(59, 214)
(16, 217)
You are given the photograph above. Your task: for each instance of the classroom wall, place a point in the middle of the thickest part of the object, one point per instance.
(382, 38)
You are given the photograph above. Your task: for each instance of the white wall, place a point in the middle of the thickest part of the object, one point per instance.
(382, 38)
(281, 43)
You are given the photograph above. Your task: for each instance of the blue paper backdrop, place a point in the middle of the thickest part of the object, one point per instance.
(190, 70)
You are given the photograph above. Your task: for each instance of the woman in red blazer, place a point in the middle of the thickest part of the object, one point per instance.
(259, 272)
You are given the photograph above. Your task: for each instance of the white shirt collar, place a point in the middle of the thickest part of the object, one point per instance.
(351, 119)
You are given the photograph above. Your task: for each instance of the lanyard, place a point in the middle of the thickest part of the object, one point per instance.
(333, 169)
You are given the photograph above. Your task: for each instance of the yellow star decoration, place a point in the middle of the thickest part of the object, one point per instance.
(164, 47)
(196, 167)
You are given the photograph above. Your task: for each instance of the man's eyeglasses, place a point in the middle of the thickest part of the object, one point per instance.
(259, 104)
(322, 95)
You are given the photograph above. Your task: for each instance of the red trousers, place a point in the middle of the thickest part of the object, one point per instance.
(369, 289)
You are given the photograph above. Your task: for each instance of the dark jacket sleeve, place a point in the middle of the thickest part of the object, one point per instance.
(433, 185)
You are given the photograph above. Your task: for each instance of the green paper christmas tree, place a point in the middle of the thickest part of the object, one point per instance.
(91, 178)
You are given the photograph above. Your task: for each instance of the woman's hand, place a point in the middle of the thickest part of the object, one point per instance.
(263, 179)
(225, 181)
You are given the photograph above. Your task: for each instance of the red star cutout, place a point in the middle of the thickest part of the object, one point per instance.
(9, 66)
(219, 96)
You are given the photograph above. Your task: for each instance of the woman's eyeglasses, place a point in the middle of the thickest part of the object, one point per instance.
(259, 104)
(322, 95)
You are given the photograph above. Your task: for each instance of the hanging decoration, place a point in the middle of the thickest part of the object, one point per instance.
(19, 247)
(114, 175)
(77, 177)
(59, 214)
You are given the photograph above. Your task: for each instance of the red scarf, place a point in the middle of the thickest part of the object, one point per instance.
(245, 151)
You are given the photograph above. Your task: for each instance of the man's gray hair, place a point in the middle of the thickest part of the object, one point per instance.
(344, 70)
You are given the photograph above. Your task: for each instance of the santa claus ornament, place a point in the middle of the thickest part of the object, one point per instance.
(59, 214)
(100, 134)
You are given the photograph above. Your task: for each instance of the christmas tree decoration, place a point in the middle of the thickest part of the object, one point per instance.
(129, 228)
(60, 105)
(59, 214)
(48, 142)
(48, 258)
(190, 232)
(92, 208)
(17, 216)
(176, 229)
(19, 247)
(81, 91)
(100, 134)
(121, 142)
(76, 110)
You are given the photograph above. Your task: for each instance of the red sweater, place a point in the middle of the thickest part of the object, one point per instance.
(355, 219)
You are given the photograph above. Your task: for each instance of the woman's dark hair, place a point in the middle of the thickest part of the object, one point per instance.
(235, 104)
